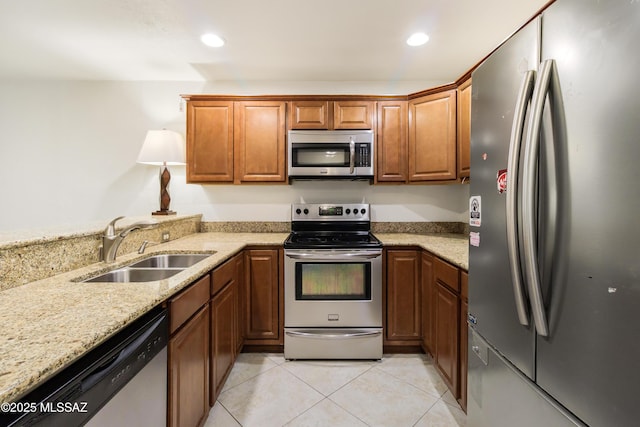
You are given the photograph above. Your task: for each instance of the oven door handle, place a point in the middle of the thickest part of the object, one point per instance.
(334, 335)
(343, 256)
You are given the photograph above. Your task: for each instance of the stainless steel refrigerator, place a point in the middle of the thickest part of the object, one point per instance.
(554, 269)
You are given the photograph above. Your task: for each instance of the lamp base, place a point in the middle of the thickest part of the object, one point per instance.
(167, 212)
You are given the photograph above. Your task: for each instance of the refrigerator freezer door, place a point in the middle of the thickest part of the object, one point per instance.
(496, 85)
(592, 283)
(500, 396)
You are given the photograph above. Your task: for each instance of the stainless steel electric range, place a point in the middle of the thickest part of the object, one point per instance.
(333, 284)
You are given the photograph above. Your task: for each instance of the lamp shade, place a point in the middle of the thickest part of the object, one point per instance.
(162, 146)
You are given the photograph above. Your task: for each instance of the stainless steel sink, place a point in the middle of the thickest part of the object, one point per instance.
(126, 275)
(156, 267)
(170, 261)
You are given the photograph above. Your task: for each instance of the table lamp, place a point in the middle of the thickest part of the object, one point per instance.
(161, 148)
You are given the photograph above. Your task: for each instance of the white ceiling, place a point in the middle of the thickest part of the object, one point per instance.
(267, 40)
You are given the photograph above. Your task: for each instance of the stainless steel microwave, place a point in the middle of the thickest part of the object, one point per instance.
(318, 154)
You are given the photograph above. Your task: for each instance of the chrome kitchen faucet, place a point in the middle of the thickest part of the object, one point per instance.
(111, 241)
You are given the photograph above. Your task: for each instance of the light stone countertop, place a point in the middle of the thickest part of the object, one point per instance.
(453, 248)
(48, 324)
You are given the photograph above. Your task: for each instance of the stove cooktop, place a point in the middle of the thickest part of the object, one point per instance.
(331, 240)
(331, 226)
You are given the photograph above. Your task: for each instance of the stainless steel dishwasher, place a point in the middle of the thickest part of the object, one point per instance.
(123, 382)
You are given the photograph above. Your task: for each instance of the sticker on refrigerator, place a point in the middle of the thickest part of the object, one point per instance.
(501, 180)
(474, 239)
(475, 210)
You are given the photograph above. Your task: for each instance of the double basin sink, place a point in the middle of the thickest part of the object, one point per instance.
(156, 267)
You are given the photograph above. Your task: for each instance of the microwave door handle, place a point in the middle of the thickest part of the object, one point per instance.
(352, 155)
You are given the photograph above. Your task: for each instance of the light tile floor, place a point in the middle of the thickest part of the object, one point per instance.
(401, 390)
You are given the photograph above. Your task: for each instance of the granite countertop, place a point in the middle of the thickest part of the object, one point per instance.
(48, 324)
(453, 248)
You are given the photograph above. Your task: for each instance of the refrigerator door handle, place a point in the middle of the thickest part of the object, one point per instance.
(547, 84)
(513, 173)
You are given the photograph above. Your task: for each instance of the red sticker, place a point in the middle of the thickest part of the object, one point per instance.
(501, 180)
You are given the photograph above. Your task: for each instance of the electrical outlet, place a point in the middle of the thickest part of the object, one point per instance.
(165, 236)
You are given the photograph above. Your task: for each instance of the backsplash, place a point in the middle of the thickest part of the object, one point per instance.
(27, 259)
(24, 261)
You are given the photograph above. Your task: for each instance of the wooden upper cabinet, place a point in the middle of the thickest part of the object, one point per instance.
(432, 137)
(259, 141)
(392, 141)
(464, 129)
(309, 115)
(210, 141)
(353, 114)
(331, 115)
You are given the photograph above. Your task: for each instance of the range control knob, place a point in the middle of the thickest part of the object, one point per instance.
(363, 211)
(298, 211)
(348, 211)
(306, 211)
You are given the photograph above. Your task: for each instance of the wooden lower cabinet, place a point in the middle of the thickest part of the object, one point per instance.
(446, 280)
(223, 337)
(264, 293)
(189, 372)
(226, 337)
(428, 304)
(240, 301)
(403, 326)
(446, 315)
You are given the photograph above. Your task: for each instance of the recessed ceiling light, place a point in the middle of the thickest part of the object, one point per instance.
(212, 40)
(417, 39)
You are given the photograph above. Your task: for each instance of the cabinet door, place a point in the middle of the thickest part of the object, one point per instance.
(392, 141)
(223, 337)
(309, 115)
(447, 318)
(464, 129)
(403, 296)
(428, 304)
(209, 141)
(240, 302)
(189, 372)
(432, 137)
(263, 293)
(259, 141)
(353, 114)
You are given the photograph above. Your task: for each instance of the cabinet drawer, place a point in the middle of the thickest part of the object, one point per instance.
(464, 285)
(223, 275)
(446, 274)
(183, 306)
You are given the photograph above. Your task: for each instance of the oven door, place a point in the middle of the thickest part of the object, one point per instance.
(333, 288)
